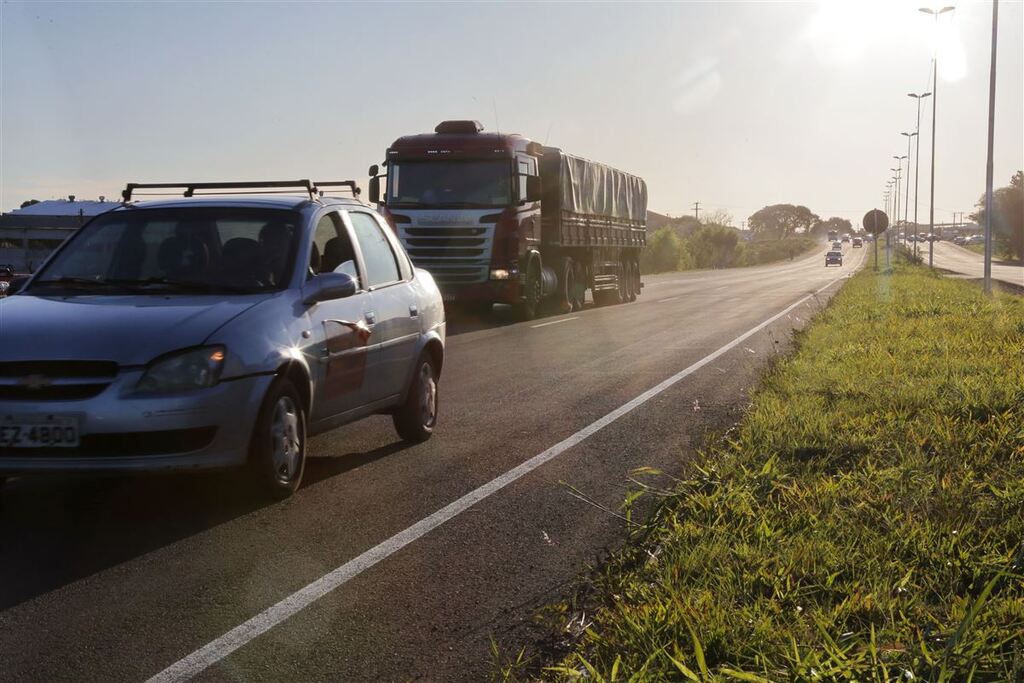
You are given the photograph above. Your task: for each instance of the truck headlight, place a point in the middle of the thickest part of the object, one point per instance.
(183, 370)
(499, 274)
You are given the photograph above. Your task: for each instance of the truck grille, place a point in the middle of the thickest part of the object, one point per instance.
(453, 255)
(59, 380)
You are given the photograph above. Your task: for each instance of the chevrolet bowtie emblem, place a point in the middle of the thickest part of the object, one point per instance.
(35, 382)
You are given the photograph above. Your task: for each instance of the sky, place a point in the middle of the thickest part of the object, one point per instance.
(735, 105)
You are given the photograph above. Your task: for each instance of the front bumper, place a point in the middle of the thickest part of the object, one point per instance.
(122, 432)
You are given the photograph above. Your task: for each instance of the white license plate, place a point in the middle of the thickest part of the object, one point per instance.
(38, 431)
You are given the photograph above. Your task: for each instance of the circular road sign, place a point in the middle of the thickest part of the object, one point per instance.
(875, 221)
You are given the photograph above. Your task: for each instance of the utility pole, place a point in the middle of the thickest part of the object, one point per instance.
(696, 211)
(991, 138)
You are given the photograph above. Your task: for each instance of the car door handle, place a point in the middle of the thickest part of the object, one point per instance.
(414, 311)
(371, 317)
(360, 328)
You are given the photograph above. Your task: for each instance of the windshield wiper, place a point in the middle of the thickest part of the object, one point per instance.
(186, 285)
(77, 282)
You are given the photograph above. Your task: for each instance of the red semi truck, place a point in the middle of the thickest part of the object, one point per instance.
(498, 218)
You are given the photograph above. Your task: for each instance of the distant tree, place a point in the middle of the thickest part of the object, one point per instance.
(662, 251)
(684, 226)
(717, 217)
(1008, 217)
(29, 202)
(715, 246)
(779, 221)
(840, 225)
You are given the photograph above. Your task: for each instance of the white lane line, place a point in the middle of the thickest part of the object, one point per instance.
(556, 322)
(671, 298)
(211, 653)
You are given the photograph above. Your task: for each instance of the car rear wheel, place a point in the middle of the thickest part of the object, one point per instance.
(277, 458)
(415, 419)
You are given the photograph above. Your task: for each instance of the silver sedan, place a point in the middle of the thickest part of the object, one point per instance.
(216, 332)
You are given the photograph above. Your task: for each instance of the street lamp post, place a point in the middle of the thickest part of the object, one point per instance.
(935, 97)
(917, 159)
(896, 206)
(906, 199)
(991, 137)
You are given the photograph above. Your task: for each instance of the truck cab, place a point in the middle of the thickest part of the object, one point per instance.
(466, 205)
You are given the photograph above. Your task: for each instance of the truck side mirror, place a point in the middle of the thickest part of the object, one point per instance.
(373, 188)
(374, 170)
(532, 188)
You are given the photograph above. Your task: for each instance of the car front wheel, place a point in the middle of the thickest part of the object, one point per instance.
(277, 456)
(415, 418)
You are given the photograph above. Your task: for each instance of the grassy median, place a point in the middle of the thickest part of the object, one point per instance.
(864, 522)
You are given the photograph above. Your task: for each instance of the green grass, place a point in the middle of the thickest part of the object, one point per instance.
(864, 522)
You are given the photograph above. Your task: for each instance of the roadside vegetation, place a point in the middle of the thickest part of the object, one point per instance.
(1007, 218)
(775, 233)
(715, 246)
(864, 522)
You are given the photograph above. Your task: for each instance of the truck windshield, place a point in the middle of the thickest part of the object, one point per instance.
(177, 250)
(450, 183)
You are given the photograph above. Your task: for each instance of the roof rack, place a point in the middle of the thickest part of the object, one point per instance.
(350, 184)
(260, 187)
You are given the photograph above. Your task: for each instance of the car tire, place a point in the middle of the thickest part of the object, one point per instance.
(416, 417)
(277, 454)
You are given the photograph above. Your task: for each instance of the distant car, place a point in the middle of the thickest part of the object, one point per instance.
(835, 257)
(960, 239)
(837, 245)
(975, 239)
(857, 242)
(216, 332)
(846, 238)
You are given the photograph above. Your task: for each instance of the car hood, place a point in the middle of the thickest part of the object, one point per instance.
(129, 330)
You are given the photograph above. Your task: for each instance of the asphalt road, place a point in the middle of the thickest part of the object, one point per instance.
(970, 264)
(117, 579)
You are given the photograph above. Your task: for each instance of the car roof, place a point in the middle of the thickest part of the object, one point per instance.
(292, 202)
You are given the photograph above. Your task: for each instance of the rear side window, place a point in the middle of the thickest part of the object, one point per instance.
(381, 265)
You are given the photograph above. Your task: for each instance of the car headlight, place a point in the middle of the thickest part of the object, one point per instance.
(191, 369)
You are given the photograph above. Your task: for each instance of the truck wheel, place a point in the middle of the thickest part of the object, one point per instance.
(534, 289)
(277, 455)
(621, 294)
(632, 281)
(415, 419)
(566, 287)
(579, 294)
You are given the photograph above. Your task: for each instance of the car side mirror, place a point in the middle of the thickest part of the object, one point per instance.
(532, 188)
(328, 287)
(373, 189)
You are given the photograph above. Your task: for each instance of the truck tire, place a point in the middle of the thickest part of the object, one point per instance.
(632, 281)
(415, 418)
(277, 454)
(621, 295)
(638, 284)
(580, 293)
(533, 294)
(566, 287)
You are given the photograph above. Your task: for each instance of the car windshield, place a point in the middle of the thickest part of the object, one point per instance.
(450, 183)
(177, 250)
